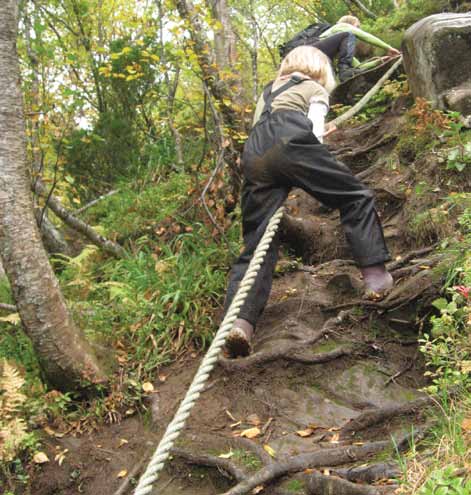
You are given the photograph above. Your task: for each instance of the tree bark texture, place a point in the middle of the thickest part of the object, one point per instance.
(66, 358)
(218, 88)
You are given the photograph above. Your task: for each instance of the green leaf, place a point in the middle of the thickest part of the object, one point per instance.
(440, 303)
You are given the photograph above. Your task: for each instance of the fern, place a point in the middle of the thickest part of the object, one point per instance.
(12, 427)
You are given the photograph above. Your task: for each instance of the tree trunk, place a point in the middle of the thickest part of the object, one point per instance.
(65, 356)
(219, 89)
(224, 38)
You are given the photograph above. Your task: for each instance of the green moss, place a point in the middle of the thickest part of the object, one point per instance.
(294, 486)
(248, 459)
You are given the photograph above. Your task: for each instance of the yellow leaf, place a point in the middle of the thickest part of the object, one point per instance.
(465, 366)
(251, 433)
(13, 318)
(122, 442)
(147, 387)
(335, 438)
(269, 450)
(466, 424)
(40, 458)
(161, 267)
(226, 456)
(258, 489)
(122, 474)
(305, 433)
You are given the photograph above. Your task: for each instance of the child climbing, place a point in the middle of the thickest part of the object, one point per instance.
(338, 42)
(283, 151)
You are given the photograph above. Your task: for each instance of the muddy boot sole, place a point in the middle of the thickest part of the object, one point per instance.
(237, 344)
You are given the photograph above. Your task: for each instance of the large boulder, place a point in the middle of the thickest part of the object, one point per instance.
(437, 56)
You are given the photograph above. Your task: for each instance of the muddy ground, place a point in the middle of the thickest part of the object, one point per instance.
(333, 377)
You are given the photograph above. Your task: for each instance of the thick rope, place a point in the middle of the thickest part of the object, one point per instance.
(174, 429)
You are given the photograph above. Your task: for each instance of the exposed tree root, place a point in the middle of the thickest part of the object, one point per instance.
(418, 266)
(371, 473)
(335, 264)
(374, 416)
(328, 457)
(292, 351)
(394, 265)
(226, 467)
(399, 296)
(355, 152)
(320, 484)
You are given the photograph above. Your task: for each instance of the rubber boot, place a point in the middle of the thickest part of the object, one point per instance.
(238, 342)
(346, 72)
(377, 280)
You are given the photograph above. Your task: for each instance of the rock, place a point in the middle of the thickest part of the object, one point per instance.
(436, 58)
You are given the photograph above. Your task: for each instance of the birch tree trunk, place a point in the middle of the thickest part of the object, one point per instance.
(66, 358)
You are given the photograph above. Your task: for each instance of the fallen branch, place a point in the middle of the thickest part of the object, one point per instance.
(367, 97)
(224, 465)
(95, 201)
(8, 307)
(327, 457)
(372, 417)
(79, 225)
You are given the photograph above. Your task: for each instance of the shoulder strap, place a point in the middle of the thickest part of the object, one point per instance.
(269, 95)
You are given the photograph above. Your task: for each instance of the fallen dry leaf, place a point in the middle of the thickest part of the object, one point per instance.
(254, 420)
(122, 441)
(465, 366)
(59, 458)
(162, 377)
(226, 456)
(49, 431)
(466, 424)
(122, 474)
(305, 433)
(326, 472)
(251, 433)
(40, 458)
(269, 450)
(147, 387)
(335, 438)
(258, 489)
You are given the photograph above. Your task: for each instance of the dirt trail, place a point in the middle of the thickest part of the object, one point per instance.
(332, 378)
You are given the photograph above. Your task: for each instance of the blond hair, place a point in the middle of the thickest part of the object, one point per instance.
(350, 19)
(312, 63)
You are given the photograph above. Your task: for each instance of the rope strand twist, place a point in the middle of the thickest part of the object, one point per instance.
(174, 429)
